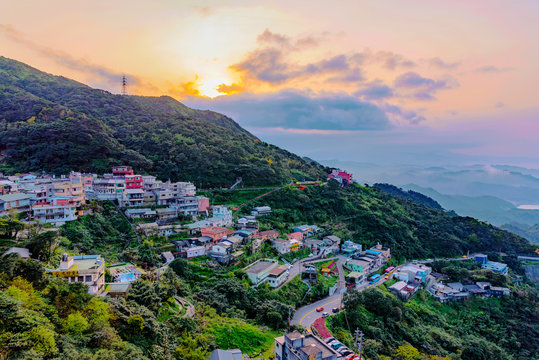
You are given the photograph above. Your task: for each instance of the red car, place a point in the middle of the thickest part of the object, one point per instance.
(351, 357)
(320, 309)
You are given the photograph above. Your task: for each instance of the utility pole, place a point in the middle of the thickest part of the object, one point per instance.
(359, 342)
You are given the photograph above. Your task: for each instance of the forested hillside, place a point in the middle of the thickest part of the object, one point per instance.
(368, 215)
(55, 124)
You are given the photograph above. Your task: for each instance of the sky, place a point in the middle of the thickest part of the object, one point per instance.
(392, 82)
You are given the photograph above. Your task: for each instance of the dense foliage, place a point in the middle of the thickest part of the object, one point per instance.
(368, 215)
(55, 124)
(411, 195)
(478, 329)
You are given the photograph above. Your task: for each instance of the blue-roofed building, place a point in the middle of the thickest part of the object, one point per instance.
(497, 267)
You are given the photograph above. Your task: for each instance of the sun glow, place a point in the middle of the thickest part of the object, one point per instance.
(210, 87)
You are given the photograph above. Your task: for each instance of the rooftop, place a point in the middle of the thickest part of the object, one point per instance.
(260, 267)
(14, 197)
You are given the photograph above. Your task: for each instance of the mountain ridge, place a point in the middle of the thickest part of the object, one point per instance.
(51, 123)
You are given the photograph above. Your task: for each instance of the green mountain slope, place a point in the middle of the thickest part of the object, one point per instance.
(55, 124)
(368, 215)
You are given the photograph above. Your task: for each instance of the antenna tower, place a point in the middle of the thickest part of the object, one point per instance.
(124, 85)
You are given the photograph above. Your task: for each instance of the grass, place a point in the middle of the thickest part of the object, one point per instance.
(293, 292)
(234, 333)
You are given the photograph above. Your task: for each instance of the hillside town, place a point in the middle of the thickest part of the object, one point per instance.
(220, 239)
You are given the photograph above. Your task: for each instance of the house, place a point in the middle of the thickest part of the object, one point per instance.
(413, 273)
(350, 248)
(221, 252)
(497, 267)
(195, 251)
(245, 233)
(108, 188)
(58, 211)
(203, 204)
(236, 241)
(122, 170)
(485, 285)
(117, 289)
(215, 233)
(295, 235)
(164, 196)
(144, 213)
(186, 205)
(342, 177)
(386, 252)
(14, 202)
(167, 256)
(219, 354)
(355, 277)
(148, 199)
(20, 252)
(277, 276)
(132, 197)
(282, 246)
(268, 234)
(261, 210)
(406, 291)
(166, 214)
(224, 214)
(358, 265)
(307, 230)
(296, 346)
(332, 240)
(133, 182)
(456, 286)
(88, 269)
(247, 223)
(267, 271)
(499, 291)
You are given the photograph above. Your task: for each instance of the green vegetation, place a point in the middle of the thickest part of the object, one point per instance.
(495, 328)
(106, 231)
(55, 124)
(369, 216)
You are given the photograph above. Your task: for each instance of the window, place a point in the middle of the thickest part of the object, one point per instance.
(88, 278)
(80, 278)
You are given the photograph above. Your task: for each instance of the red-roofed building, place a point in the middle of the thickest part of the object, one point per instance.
(268, 234)
(216, 233)
(295, 236)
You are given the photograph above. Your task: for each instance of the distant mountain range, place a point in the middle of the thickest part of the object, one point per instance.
(54, 124)
(517, 185)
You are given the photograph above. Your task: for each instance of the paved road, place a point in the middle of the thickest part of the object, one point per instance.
(306, 315)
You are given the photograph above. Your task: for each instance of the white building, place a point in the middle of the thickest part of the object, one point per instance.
(88, 269)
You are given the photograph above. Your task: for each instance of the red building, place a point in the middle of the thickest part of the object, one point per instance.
(341, 176)
(122, 170)
(216, 233)
(133, 181)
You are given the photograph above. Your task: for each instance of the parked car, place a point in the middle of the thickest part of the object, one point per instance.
(329, 339)
(320, 309)
(344, 351)
(337, 345)
(351, 357)
(335, 310)
(325, 314)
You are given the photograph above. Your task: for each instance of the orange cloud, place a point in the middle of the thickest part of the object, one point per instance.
(230, 89)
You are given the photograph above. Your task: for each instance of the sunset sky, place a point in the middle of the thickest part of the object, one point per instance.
(387, 81)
